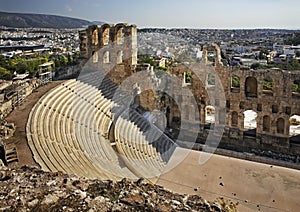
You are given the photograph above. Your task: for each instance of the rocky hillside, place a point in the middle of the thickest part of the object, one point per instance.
(29, 188)
(22, 20)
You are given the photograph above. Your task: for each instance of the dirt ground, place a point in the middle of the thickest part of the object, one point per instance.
(256, 186)
(19, 117)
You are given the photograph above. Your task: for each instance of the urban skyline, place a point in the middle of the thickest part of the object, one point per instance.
(171, 14)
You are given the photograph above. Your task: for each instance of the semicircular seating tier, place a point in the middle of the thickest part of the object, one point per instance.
(68, 130)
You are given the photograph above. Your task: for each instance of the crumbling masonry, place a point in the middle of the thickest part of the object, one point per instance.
(270, 93)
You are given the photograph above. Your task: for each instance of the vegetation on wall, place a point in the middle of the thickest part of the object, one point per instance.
(296, 86)
(268, 84)
(188, 77)
(235, 82)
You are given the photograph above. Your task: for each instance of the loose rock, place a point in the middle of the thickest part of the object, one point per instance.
(28, 189)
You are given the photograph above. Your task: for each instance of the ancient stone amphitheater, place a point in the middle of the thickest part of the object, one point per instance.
(87, 128)
(92, 127)
(72, 129)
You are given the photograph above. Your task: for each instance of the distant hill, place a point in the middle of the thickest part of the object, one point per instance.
(23, 20)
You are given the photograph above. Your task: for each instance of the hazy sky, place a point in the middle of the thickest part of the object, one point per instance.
(171, 13)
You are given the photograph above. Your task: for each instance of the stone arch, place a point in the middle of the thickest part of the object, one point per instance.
(296, 88)
(187, 78)
(250, 119)
(266, 123)
(212, 54)
(95, 39)
(234, 119)
(120, 59)
(294, 122)
(106, 58)
(280, 125)
(268, 86)
(211, 79)
(120, 33)
(105, 29)
(251, 87)
(250, 123)
(210, 114)
(95, 56)
(235, 83)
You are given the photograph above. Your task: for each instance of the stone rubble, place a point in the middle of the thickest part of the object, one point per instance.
(30, 189)
(276, 156)
(7, 130)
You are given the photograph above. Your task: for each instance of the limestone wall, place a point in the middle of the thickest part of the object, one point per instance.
(274, 105)
(270, 93)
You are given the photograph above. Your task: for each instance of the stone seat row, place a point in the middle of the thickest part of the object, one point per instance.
(65, 136)
(135, 135)
(68, 130)
(154, 136)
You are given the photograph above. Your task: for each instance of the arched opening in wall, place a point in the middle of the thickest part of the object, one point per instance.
(211, 55)
(234, 119)
(171, 117)
(211, 79)
(268, 86)
(266, 123)
(105, 36)
(251, 87)
(209, 116)
(106, 57)
(120, 36)
(295, 129)
(280, 125)
(95, 57)
(95, 37)
(296, 88)
(137, 98)
(187, 78)
(250, 123)
(235, 84)
(120, 57)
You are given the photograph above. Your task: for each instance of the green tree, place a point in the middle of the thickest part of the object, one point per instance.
(5, 74)
(63, 60)
(70, 60)
(148, 59)
(21, 67)
(255, 66)
(263, 53)
(294, 39)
